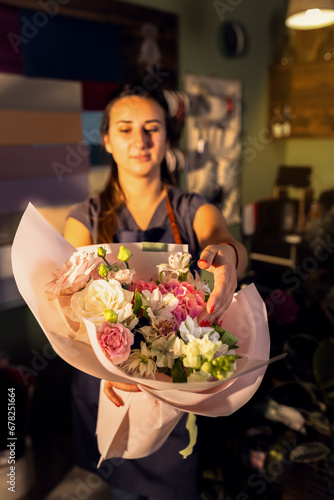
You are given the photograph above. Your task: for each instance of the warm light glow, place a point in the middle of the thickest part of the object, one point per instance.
(313, 12)
(310, 19)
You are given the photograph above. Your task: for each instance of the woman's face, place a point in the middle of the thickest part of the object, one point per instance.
(137, 136)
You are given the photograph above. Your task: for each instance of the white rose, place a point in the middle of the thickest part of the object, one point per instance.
(99, 295)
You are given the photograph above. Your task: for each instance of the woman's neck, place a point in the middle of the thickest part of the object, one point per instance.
(142, 197)
(142, 190)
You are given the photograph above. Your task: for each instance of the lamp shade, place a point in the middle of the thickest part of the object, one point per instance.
(309, 14)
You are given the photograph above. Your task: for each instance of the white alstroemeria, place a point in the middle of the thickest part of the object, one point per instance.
(159, 306)
(198, 283)
(149, 333)
(131, 321)
(140, 362)
(189, 329)
(178, 265)
(198, 351)
(224, 350)
(162, 348)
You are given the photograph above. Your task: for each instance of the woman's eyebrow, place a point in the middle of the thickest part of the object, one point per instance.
(153, 121)
(146, 121)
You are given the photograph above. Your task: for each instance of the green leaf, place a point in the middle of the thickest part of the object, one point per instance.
(323, 365)
(178, 372)
(137, 303)
(226, 337)
(145, 313)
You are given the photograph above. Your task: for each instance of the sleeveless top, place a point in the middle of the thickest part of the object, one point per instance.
(164, 474)
(184, 206)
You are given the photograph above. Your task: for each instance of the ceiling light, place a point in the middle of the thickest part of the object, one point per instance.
(309, 14)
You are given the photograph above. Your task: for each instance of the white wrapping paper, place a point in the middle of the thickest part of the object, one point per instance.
(147, 418)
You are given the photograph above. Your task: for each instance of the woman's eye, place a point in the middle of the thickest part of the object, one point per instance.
(125, 130)
(151, 129)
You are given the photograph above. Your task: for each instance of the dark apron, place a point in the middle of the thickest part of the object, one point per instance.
(164, 474)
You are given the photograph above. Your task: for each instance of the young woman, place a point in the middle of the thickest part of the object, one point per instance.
(140, 204)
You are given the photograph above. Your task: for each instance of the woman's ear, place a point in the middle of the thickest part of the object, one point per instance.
(107, 144)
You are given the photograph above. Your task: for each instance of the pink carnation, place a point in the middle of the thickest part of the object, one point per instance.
(180, 314)
(179, 287)
(71, 276)
(143, 285)
(191, 301)
(116, 341)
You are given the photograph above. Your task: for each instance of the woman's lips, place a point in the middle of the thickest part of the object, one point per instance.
(143, 157)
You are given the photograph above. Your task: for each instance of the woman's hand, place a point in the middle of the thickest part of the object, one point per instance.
(221, 261)
(108, 390)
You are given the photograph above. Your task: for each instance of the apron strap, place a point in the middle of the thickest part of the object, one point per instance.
(171, 217)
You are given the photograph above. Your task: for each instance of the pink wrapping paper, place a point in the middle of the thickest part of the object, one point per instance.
(147, 418)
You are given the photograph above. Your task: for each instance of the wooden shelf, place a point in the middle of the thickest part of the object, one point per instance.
(306, 92)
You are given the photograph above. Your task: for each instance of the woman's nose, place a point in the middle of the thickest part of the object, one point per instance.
(142, 138)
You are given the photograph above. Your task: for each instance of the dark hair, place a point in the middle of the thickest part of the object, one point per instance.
(112, 197)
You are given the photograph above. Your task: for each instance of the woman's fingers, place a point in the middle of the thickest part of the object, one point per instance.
(220, 298)
(111, 394)
(215, 255)
(108, 390)
(222, 294)
(219, 261)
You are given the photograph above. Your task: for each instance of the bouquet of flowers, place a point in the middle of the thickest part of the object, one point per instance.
(145, 327)
(120, 317)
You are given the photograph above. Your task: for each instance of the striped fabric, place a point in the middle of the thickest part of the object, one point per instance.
(54, 83)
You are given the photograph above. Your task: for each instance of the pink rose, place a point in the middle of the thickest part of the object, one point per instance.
(72, 276)
(116, 341)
